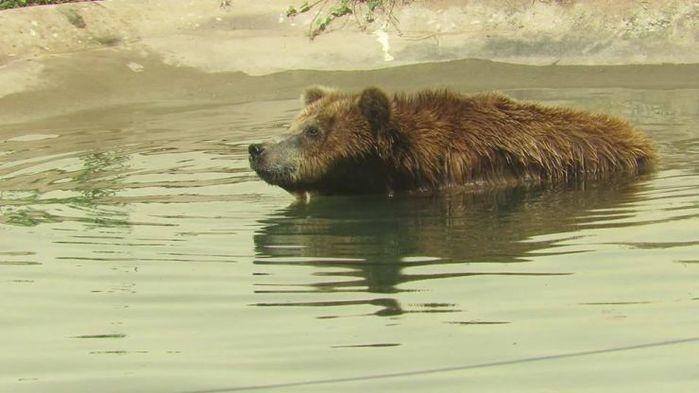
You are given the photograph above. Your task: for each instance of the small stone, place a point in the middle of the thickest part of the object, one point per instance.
(135, 67)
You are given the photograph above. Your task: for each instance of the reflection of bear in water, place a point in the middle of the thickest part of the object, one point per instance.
(372, 143)
(374, 235)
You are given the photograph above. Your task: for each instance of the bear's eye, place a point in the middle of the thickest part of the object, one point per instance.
(311, 131)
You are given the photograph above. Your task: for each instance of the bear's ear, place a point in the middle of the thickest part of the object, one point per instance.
(376, 107)
(315, 93)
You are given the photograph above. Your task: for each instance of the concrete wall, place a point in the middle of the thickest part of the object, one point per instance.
(254, 37)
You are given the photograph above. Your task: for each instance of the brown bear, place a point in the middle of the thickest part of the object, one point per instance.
(369, 142)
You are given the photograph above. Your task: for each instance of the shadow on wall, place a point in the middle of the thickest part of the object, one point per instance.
(364, 244)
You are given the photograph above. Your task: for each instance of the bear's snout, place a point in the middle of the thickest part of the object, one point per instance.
(255, 150)
(271, 162)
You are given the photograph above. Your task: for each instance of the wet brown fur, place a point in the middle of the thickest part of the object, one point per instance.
(437, 139)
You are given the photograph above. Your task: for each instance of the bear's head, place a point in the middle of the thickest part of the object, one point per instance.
(334, 146)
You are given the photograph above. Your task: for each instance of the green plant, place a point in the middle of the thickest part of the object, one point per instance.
(327, 11)
(5, 4)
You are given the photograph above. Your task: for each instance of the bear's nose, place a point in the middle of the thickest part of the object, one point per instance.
(255, 150)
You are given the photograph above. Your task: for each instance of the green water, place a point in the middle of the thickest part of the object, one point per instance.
(139, 253)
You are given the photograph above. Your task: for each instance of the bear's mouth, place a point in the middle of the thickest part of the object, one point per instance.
(275, 174)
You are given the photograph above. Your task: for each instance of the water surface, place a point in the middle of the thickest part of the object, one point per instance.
(139, 253)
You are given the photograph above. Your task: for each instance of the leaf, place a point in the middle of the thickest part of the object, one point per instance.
(291, 11)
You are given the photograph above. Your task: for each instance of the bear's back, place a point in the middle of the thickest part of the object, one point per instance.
(490, 137)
